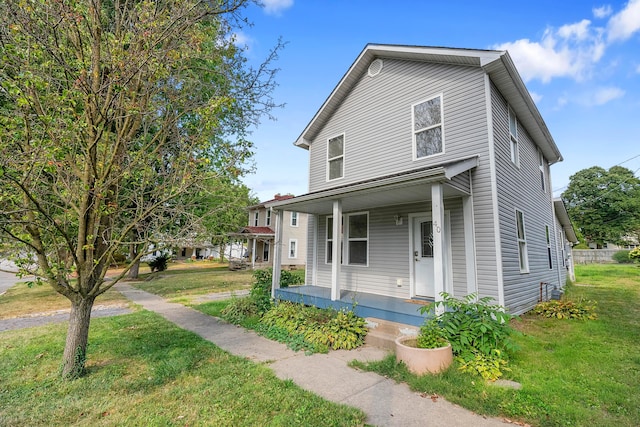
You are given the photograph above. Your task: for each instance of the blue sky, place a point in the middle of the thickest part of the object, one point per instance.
(580, 61)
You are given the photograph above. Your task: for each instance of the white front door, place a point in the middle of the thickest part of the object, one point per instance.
(423, 256)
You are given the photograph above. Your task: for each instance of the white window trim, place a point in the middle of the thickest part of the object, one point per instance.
(549, 251)
(414, 131)
(328, 241)
(256, 218)
(295, 248)
(297, 216)
(267, 220)
(347, 240)
(543, 172)
(344, 161)
(514, 143)
(522, 243)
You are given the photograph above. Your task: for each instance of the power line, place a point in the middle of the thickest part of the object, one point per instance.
(621, 163)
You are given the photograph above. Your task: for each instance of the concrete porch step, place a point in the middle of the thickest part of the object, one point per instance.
(383, 333)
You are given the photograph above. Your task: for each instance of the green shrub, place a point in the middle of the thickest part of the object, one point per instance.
(431, 335)
(635, 254)
(622, 257)
(565, 309)
(261, 290)
(239, 310)
(479, 333)
(313, 329)
(159, 263)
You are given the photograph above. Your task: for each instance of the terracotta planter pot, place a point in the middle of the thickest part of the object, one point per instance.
(422, 360)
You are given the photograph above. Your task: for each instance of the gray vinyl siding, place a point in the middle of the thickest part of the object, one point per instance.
(520, 188)
(390, 254)
(376, 119)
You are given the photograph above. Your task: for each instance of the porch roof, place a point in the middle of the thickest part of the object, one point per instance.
(254, 233)
(390, 190)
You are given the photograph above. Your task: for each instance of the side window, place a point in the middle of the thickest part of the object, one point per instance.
(550, 259)
(542, 164)
(329, 251)
(335, 157)
(294, 219)
(522, 243)
(256, 218)
(428, 138)
(268, 220)
(513, 136)
(293, 248)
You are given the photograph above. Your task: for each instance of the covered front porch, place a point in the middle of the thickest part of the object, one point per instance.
(366, 305)
(392, 240)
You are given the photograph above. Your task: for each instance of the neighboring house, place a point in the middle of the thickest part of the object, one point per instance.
(429, 173)
(261, 231)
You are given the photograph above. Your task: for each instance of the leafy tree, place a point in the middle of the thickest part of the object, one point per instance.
(115, 116)
(604, 205)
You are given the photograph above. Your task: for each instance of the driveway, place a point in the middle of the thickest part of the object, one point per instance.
(7, 280)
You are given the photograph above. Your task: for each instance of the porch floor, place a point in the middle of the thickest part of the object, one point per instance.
(363, 304)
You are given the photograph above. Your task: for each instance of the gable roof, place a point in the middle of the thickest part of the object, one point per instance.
(497, 64)
(276, 198)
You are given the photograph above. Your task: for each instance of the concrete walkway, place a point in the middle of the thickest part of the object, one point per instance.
(385, 402)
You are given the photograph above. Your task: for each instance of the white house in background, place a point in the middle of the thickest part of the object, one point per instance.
(261, 230)
(429, 172)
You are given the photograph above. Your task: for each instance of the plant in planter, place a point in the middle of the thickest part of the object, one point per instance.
(428, 352)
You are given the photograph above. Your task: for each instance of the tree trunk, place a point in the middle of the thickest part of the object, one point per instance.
(75, 350)
(222, 248)
(135, 268)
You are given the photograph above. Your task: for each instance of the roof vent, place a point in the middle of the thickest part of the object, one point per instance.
(375, 67)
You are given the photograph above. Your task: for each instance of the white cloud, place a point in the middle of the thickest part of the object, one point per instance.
(241, 40)
(602, 11)
(625, 23)
(603, 95)
(275, 7)
(569, 51)
(536, 97)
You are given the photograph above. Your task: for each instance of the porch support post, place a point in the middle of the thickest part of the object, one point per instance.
(336, 250)
(437, 216)
(469, 244)
(277, 254)
(253, 253)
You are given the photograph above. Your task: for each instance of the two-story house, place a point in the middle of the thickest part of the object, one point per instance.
(429, 173)
(261, 231)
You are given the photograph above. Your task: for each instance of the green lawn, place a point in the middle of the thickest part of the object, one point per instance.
(143, 370)
(181, 285)
(575, 373)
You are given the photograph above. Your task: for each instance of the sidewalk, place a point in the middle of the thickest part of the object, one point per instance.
(385, 402)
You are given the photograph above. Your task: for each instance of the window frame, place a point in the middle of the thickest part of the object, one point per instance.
(256, 218)
(267, 220)
(514, 143)
(549, 252)
(295, 248)
(332, 159)
(415, 132)
(293, 222)
(543, 174)
(523, 255)
(348, 239)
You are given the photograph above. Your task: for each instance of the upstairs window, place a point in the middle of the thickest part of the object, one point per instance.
(513, 136)
(542, 162)
(427, 128)
(256, 218)
(268, 220)
(335, 157)
(294, 219)
(522, 243)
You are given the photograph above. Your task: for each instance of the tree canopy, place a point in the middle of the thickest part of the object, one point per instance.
(604, 204)
(116, 117)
